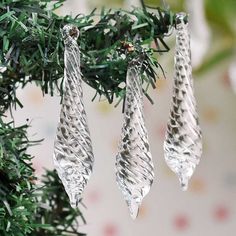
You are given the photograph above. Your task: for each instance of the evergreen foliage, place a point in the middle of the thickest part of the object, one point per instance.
(32, 51)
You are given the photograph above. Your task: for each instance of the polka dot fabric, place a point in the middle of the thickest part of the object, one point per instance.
(208, 208)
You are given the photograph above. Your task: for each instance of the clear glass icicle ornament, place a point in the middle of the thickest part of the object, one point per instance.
(73, 154)
(134, 167)
(183, 142)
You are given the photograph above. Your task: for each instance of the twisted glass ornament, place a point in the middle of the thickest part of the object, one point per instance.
(134, 167)
(183, 142)
(73, 154)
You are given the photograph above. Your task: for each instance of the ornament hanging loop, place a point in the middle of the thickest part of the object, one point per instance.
(70, 34)
(181, 18)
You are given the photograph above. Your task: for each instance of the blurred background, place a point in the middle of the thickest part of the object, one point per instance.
(208, 208)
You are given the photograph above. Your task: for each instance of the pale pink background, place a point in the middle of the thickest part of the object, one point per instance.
(208, 208)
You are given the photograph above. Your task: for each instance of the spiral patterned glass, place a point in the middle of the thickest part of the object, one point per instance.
(183, 142)
(73, 154)
(134, 167)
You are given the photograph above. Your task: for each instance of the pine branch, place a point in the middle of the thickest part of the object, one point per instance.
(17, 204)
(26, 209)
(55, 209)
(32, 48)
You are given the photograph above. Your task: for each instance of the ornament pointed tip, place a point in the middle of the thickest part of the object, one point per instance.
(184, 186)
(183, 183)
(75, 200)
(133, 208)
